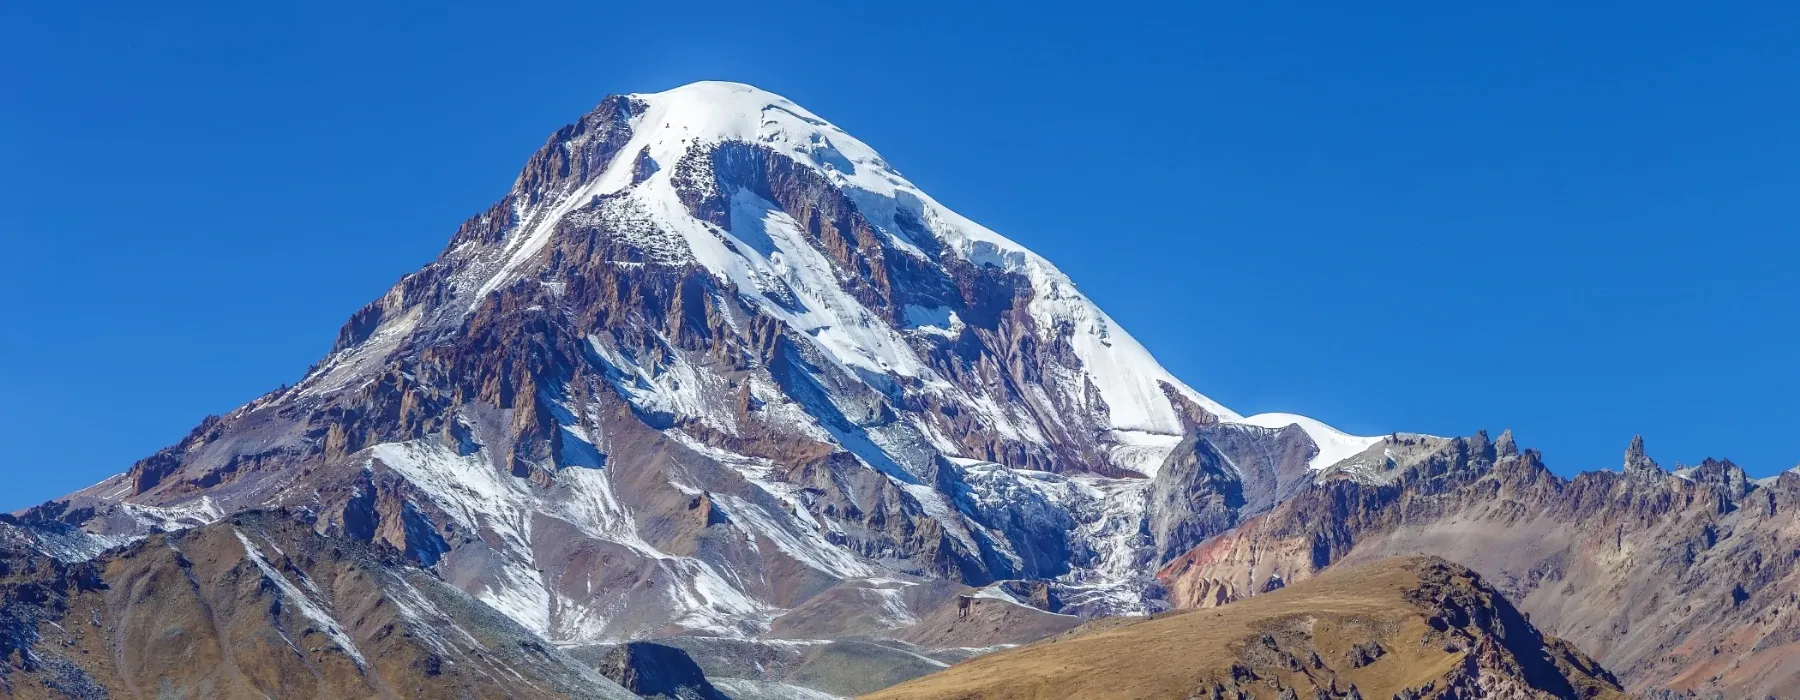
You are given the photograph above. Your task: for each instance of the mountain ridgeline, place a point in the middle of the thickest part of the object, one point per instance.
(713, 373)
(1682, 579)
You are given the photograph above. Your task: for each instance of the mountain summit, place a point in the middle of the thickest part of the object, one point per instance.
(713, 366)
(869, 274)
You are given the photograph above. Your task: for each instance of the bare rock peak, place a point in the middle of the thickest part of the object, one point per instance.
(1481, 446)
(1505, 446)
(1638, 463)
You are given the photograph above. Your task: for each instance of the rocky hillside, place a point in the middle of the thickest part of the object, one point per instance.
(258, 605)
(1412, 627)
(1683, 579)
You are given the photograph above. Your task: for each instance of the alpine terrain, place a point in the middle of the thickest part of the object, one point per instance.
(714, 374)
(1405, 627)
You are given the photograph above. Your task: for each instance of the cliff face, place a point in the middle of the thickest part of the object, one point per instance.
(1670, 579)
(1405, 627)
(1219, 475)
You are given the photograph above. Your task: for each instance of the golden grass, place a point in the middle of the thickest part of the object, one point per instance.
(1171, 655)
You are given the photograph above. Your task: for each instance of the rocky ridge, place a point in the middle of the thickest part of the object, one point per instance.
(1680, 579)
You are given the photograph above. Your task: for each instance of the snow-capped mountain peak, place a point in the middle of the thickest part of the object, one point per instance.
(773, 265)
(712, 357)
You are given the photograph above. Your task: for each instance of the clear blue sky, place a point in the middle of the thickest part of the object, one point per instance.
(1574, 219)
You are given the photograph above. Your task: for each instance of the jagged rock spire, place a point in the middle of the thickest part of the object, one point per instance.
(1639, 464)
(1505, 447)
(1481, 446)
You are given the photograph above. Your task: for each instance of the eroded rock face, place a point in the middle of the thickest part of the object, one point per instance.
(1219, 475)
(1669, 579)
(1197, 494)
(36, 590)
(657, 672)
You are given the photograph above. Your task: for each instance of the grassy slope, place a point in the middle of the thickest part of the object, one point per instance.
(1172, 655)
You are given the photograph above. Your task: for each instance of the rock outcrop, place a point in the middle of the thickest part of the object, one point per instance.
(657, 672)
(1219, 475)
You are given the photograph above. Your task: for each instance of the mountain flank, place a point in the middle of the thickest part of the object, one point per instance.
(1681, 579)
(260, 606)
(1407, 627)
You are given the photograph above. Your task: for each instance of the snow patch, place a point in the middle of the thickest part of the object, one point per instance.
(1334, 445)
(311, 609)
(194, 513)
(481, 498)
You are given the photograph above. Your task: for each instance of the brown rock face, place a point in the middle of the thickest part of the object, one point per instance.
(260, 606)
(1671, 580)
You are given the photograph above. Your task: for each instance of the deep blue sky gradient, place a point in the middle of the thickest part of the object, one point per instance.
(1573, 219)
